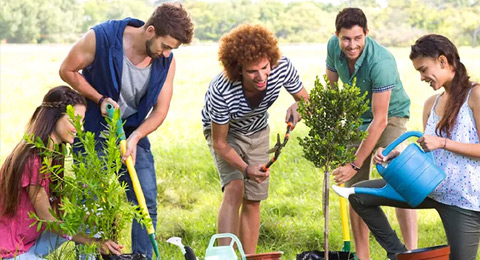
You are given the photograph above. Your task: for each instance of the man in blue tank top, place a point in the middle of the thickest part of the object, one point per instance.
(352, 54)
(129, 64)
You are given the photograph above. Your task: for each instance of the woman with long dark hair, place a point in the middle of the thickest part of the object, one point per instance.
(24, 189)
(452, 122)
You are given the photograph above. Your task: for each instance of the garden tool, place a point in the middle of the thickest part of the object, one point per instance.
(278, 145)
(186, 250)
(135, 182)
(410, 176)
(345, 227)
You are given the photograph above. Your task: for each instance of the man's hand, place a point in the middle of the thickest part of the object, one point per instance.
(343, 173)
(292, 111)
(132, 142)
(254, 173)
(103, 106)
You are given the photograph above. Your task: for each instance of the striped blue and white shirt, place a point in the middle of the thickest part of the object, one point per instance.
(225, 100)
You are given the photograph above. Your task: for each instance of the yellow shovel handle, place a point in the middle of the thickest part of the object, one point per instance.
(344, 216)
(136, 186)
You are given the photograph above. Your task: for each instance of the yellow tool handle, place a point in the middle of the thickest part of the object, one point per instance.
(344, 216)
(136, 186)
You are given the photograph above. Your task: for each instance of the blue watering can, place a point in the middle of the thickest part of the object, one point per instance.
(224, 252)
(410, 176)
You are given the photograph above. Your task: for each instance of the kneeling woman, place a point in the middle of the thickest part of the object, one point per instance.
(24, 189)
(452, 122)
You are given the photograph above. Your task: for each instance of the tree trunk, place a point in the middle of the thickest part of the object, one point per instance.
(326, 198)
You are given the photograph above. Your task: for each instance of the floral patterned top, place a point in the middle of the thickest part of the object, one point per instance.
(461, 187)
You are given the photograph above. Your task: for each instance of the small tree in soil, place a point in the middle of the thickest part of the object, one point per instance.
(333, 116)
(91, 196)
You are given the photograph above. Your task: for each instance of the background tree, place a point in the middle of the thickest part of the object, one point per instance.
(332, 115)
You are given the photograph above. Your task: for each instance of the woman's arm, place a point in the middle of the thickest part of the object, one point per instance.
(40, 201)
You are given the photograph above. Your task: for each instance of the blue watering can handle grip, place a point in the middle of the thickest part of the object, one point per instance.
(395, 143)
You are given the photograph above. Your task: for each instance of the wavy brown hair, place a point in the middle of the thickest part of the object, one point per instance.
(433, 46)
(244, 44)
(173, 20)
(41, 125)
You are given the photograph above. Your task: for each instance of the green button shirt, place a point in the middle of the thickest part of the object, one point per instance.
(376, 71)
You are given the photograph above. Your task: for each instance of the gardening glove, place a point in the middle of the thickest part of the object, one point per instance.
(254, 173)
(343, 174)
(430, 142)
(292, 111)
(103, 106)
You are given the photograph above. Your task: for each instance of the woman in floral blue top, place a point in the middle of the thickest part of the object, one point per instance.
(451, 120)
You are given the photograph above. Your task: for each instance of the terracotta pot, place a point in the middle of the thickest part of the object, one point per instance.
(431, 253)
(265, 256)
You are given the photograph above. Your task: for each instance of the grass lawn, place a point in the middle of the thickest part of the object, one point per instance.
(189, 189)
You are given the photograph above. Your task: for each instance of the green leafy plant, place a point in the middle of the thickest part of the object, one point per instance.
(333, 115)
(91, 197)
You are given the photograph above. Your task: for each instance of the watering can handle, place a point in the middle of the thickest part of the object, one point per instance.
(110, 112)
(395, 143)
(234, 239)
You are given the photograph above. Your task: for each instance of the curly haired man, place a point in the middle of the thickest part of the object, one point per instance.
(235, 123)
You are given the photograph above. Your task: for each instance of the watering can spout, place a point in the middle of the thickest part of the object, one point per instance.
(386, 192)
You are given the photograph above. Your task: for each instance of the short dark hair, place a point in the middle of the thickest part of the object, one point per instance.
(349, 17)
(173, 20)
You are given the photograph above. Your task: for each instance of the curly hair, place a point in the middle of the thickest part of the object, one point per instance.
(349, 17)
(172, 19)
(244, 44)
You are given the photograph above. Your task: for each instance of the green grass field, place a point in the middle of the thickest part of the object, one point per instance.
(189, 189)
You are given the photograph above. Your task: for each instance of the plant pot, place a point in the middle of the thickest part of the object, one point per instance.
(431, 253)
(265, 256)
(123, 257)
(332, 255)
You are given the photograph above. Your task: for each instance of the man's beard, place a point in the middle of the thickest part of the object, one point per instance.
(148, 46)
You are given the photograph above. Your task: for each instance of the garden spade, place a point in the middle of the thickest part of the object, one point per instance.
(279, 145)
(135, 182)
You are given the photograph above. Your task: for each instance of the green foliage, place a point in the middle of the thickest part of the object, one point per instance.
(91, 196)
(333, 116)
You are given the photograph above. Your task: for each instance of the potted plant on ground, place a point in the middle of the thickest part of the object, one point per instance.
(92, 200)
(333, 116)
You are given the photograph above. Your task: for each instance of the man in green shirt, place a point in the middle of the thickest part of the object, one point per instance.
(351, 54)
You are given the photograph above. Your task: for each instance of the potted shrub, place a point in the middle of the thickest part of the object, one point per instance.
(333, 116)
(91, 197)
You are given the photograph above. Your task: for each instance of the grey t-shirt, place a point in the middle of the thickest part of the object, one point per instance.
(134, 87)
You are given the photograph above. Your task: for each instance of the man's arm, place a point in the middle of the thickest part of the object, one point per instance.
(80, 56)
(292, 110)
(380, 102)
(156, 117)
(228, 154)
(332, 76)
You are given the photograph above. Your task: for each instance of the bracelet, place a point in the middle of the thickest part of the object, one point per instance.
(355, 167)
(67, 237)
(100, 101)
(445, 143)
(245, 175)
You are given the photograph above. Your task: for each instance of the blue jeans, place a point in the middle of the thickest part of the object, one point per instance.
(144, 165)
(46, 243)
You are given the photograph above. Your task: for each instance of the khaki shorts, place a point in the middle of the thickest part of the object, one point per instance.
(253, 150)
(396, 127)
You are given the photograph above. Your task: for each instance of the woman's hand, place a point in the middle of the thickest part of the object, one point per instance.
(430, 142)
(379, 158)
(110, 247)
